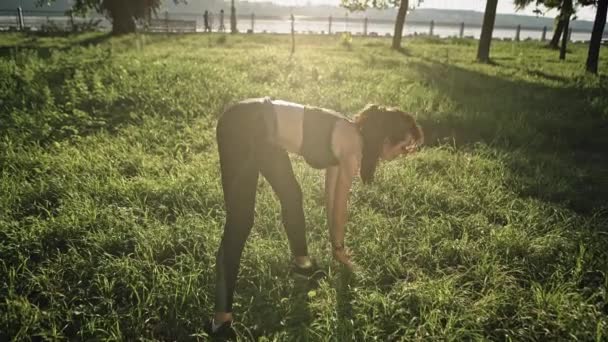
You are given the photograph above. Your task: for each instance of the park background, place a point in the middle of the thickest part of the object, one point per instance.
(111, 208)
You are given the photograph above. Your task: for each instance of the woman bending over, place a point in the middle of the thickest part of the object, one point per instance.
(255, 136)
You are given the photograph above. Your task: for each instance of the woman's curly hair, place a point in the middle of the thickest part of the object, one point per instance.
(376, 124)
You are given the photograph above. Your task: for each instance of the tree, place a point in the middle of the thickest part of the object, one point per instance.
(362, 5)
(399, 23)
(233, 28)
(558, 26)
(483, 50)
(122, 13)
(596, 36)
(566, 13)
(557, 32)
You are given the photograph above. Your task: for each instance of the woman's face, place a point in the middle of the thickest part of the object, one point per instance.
(391, 151)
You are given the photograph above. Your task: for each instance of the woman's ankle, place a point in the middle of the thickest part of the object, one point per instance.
(221, 317)
(303, 261)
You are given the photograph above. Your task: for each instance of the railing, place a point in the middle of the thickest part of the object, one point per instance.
(48, 21)
(18, 20)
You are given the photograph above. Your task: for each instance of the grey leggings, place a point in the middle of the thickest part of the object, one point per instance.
(245, 151)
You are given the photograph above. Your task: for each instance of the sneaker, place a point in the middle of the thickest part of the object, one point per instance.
(313, 272)
(224, 332)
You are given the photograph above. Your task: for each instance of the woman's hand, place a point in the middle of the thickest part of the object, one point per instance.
(342, 255)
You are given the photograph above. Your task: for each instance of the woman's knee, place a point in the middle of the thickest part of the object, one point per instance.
(293, 197)
(238, 223)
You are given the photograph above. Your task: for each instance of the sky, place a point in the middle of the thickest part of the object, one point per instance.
(504, 6)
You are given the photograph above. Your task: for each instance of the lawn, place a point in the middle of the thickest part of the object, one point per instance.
(111, 209)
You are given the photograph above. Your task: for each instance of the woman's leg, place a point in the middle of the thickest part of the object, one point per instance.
(275, 166)
(239, 169)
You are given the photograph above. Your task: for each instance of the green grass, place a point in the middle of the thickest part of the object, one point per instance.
(111, 209)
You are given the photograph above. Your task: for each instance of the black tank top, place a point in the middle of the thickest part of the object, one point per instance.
(316, 140)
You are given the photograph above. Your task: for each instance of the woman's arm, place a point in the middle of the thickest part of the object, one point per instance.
(347, 146)
(345, 175)
(331, 177)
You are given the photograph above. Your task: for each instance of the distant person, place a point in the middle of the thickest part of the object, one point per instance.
(222, 27)
(255, 135)
(206, 21)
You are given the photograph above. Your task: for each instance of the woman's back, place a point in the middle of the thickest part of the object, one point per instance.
(307, 131)
(289, 118)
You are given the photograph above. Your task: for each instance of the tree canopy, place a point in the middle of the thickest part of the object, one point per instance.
(550, 4)
(403, 5)
(122, 13)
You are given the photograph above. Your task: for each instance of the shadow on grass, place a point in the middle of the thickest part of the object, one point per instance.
(291, 319)
(404, 51)
(44, 45)
(547, 76)
(555, 136)
(293, 323)
(344, 309)
(299, 316)
(34, 44)
(42, 109)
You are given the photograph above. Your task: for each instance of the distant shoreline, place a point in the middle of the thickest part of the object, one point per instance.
(268, 10)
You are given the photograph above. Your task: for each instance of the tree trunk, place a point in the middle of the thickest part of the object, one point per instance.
(596, 36)
(399, 24)
(122, 18)
(233, 28)
(483, 51)
(557, 32)
(567, 9)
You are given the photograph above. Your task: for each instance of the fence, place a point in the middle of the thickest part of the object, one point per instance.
(48, 21)
(250, 23)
